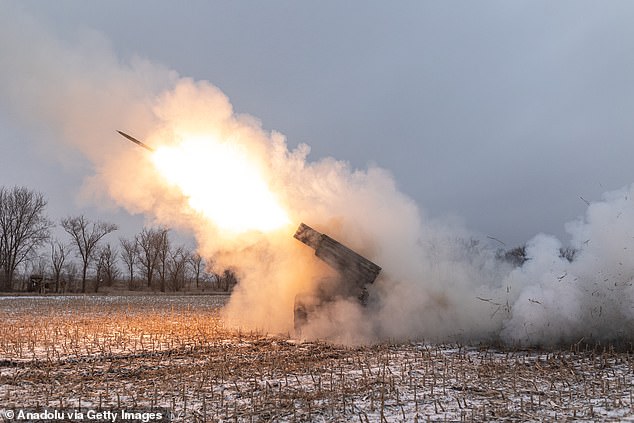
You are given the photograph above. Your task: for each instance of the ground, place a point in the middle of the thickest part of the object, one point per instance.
(172, 354)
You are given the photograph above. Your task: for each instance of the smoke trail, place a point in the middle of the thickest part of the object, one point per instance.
(436, 283)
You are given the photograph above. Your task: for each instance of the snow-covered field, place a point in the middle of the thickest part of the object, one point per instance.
(110, 353)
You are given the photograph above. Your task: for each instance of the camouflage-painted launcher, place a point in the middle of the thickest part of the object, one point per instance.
(352, 266)
(355, 271)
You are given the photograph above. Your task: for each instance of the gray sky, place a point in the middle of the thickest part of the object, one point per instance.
(503, 113)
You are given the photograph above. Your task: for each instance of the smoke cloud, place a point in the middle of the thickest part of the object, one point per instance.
(438, 282)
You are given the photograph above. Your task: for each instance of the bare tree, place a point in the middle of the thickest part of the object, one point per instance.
(36, 269)
(177, 267)
(23, 228)
(568, 253)
(86, 236)
(198, 266)
(515, 256)
(130, 256)
(107, 270)
(70, 273)
(149, 243)
(58, 257)
(228, 280)
(163, 246)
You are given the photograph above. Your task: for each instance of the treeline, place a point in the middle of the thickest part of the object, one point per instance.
(31, 259)
(518, 256)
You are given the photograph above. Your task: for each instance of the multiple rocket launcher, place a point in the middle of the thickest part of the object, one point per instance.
(355, 271)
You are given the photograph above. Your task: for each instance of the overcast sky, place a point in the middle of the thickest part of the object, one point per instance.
(503, 113)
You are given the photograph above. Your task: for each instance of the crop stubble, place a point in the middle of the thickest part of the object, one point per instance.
(175, 352)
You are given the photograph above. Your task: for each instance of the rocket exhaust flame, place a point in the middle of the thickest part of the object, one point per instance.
(247, 203)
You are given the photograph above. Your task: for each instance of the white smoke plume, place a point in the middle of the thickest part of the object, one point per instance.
(436, 284)
(590, 298)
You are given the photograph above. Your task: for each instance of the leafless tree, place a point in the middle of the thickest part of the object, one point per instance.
(228, 280)
(86, 236)
(198, 266)
(23, 228)
(177, 267)
(163, 245)
(568, 253)
(36, 270)
(130, 256)
(515, 256)
(107, 270)
(58, 257)
(150, 244)
(70, 274)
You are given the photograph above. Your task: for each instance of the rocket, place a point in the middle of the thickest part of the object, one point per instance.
(134, 140)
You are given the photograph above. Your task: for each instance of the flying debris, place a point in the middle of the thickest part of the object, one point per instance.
(355, 274)
(134, 140)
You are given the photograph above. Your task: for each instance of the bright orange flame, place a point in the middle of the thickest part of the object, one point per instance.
(223, 183)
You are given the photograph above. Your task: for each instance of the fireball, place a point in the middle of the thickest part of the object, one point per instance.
(223, 182)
